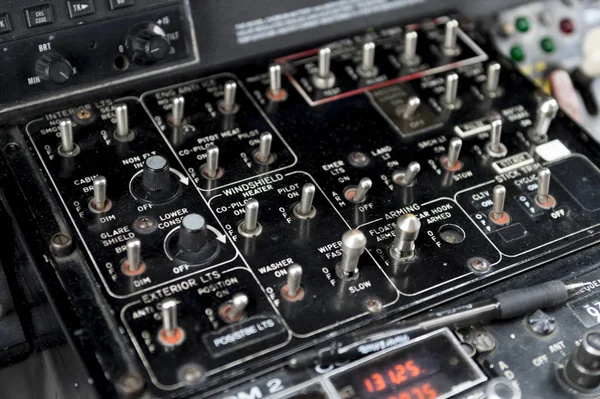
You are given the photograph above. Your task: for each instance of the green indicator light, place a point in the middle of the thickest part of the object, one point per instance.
(517, 53)
(522, 24)
(548, 45)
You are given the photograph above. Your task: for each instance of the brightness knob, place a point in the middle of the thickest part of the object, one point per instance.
(156, 175)
(54, 68)
(149, 44)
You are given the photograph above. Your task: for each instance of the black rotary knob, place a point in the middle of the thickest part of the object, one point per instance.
(149, 44)
(156, 175)
(193, 233)
(54, 68)
(583, 368)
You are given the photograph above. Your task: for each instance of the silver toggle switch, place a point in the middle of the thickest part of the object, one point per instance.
(67, 147)
(409, 55)
(293, 290)
(451, 161)
(263, 155)
(492, 84)
(228, 105)
(134, 254)
(305, 209)
(494, 147)
(169, 316)
(275, 79)
(235, 309)
(407, 231)
(122, 132)
(294, 279)
(324, 78)
(250, 227)
(276, 92)
(359, 194)
(177, 111)
(498, 216)
(546, 112)
(450, 98)
(411, 107)
(450, 47)
(367, 68)
(100, 202)
(354, 243)
(543, 197)
(407, 178)
(211, 169)
(170, 334)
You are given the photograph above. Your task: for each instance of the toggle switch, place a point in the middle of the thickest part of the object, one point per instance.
(407, 177)
(354, 243)
(228, 105)
(451, 161)
(498, 216)
(305, 209)
(250, 227)
(193, 233)
(276, 92)
(211, 170)
(450, 98)
(494, 147)
(123, 133)
(263, 155)
(491, 88)
(410, 110)
(450, 47)
(293, 290)
(133, 265)
(324, 79)
(176, 119)
(367, 68)
(358, 193)
(99, 203)
(407, 231)
(543, 198)
(170, 334)
(67, 147)
(234, 310)
(546, 112)
(409, 55)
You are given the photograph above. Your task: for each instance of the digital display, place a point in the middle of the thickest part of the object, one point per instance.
(429, 368)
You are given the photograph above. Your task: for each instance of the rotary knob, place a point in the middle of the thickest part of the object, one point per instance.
(149, 44)
(193, 233)
(54, 68)
(583, 367)
(156, 175)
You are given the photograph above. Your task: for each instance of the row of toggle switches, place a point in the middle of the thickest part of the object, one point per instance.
(324, 78)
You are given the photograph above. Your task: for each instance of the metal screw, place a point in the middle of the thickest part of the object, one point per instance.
(484, 342)
(374, 305)
(191, 374)
(541, 323)
(145, 223)
(61, 244)
(479, 265)
(84, 114)
(130, 385)
(358, 159)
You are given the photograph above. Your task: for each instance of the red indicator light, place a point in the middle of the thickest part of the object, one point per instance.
(567, 26)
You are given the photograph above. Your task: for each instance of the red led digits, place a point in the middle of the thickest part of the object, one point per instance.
(398, 375)
(375, 383)
(424, 391)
